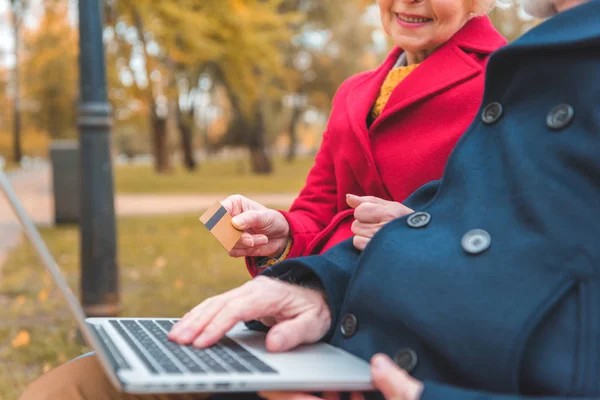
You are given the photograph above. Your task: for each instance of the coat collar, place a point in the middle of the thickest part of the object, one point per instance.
(445, 67)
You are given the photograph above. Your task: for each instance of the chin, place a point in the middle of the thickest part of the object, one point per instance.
(539, 8)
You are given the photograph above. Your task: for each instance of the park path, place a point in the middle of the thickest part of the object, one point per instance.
(33, 186)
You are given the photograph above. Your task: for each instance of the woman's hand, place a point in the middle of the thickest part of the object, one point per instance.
(266, 231)
(394, 383)
(370, 214)
(298, 314)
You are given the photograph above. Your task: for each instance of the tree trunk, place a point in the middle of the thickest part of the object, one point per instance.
(259, 160)
(184, 123)
(185, 120)
(254, 131)
(162, 163)
(296, 114)
(17, 150)
(158, 123)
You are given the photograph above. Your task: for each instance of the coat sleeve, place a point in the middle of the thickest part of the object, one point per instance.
(317, 203)
(313, 209)
(435, 391)
(333, 270)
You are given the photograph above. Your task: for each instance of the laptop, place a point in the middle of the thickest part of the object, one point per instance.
(138, 358)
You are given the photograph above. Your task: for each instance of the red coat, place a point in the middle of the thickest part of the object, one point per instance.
(404, 148)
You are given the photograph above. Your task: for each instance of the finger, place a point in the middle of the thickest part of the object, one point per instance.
(360, 242)
(371, 213)
(234, 204)
(354, 201)
(308, 327)
(262, 300)
(249, 240)
(394, 383)
(246, 252)
(251, 219)
(266, 250)
(367, 230)
(228, 203)
(183, 331)
(286, 396)
(357, 396)
(331, 396)
(190, 325)
(268, 321)
(270, 249)
(237, 204)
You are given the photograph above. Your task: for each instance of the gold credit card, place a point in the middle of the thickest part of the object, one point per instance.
(218, 221)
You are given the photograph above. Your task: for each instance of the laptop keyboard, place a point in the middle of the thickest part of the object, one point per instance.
(148, 339)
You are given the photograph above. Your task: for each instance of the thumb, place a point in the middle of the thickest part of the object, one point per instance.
(394, 383)
(355, 201)
(291, 333)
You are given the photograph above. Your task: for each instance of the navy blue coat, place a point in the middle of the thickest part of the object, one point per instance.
(521, 317)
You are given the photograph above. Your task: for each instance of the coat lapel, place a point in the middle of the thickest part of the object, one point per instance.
(447, 66)
(359, 101)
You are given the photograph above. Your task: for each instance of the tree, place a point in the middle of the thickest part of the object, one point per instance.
(318, 70)
(242, 37)
(249, 48)
(50, 64)
(18, 8)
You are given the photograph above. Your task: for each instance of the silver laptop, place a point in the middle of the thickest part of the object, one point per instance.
(138, 357)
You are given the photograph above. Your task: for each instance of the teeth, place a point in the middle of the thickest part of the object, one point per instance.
(413, 20)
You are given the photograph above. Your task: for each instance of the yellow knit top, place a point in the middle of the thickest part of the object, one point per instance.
(394, 77)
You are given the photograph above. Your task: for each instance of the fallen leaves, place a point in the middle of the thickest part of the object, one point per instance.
(43, 295)
(22, 339)
(160, 262)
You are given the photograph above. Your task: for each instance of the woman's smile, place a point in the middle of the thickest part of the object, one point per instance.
(412, 20)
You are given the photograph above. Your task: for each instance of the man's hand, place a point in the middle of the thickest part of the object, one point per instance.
(370, 214)
(266, 231)
(299, 315)
(394, 383)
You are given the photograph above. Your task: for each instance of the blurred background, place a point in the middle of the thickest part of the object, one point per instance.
(192, 80)
(208, 98)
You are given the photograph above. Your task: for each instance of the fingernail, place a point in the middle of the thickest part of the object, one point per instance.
(186, 336)
(381, 362)
(348, 195)
(277, 342)
(199, 342)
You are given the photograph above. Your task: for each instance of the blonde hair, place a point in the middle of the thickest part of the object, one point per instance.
(504, 4)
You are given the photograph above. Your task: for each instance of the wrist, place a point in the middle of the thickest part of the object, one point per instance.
(278, 256)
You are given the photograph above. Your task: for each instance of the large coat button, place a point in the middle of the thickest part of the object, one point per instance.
(349, 325)
(418, 219)
(476, 241)
(406, 359)
(560, 116)
(491, 113)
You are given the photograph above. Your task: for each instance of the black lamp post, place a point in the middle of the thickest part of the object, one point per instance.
(99, 273)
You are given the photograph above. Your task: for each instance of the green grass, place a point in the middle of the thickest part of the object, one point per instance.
(167, 265)
(214, 177)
